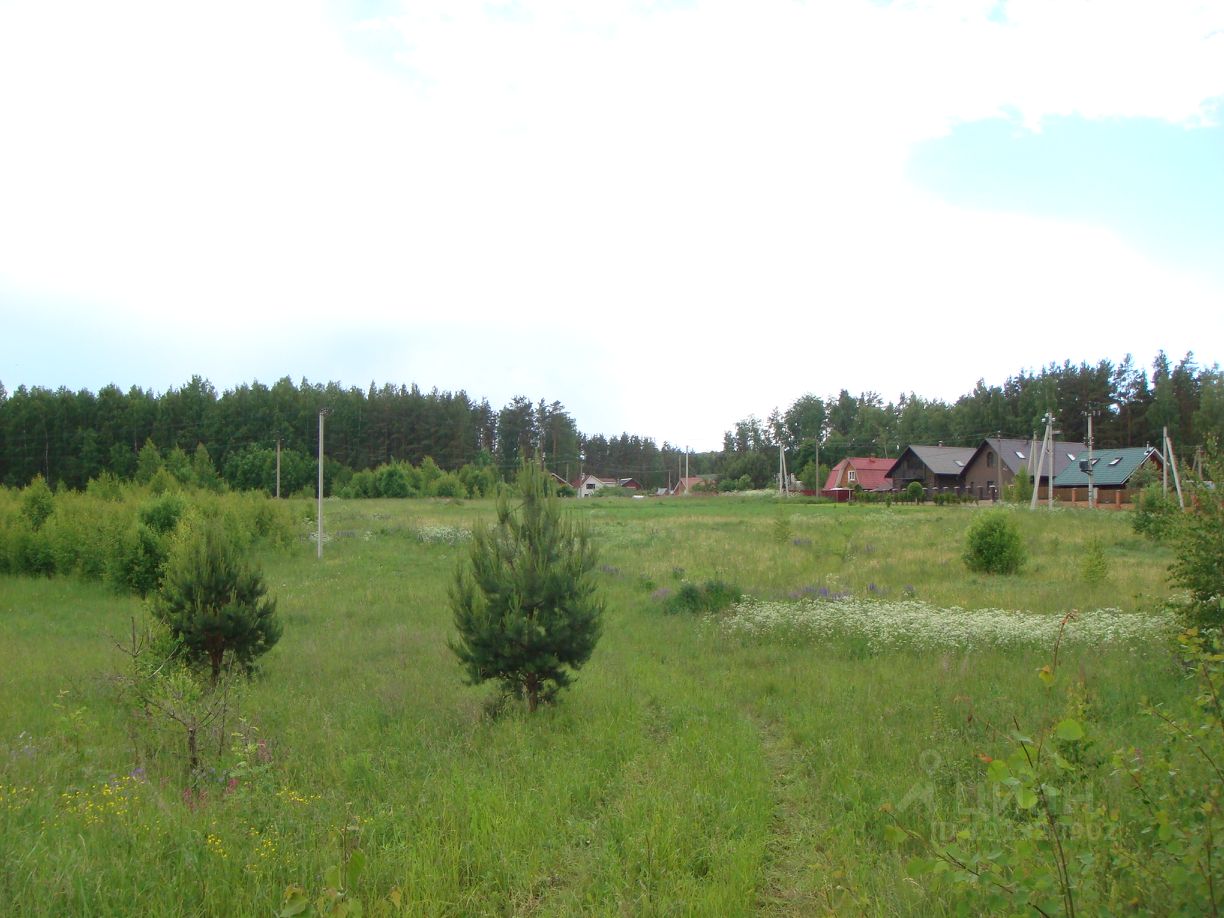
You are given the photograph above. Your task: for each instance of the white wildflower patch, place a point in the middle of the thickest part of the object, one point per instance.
(916, 624)
(442, 535)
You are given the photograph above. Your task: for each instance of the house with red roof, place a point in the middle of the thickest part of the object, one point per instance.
(864, 472)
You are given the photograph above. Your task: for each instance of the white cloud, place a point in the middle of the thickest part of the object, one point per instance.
(711, 181)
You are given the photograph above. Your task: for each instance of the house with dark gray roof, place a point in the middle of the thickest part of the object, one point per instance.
(996, 462)
(937, 467)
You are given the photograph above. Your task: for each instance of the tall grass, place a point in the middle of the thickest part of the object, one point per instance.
(686, 772)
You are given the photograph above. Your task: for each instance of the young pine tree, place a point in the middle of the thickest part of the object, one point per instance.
(525, 602)
(214, 603)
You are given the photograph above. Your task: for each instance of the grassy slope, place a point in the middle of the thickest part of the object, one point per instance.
(681, 775)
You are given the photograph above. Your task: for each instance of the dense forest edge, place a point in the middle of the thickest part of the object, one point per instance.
(229, 439)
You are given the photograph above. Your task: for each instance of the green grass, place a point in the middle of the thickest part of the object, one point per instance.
(683, 774)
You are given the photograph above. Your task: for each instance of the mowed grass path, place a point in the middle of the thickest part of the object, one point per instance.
(684, 774)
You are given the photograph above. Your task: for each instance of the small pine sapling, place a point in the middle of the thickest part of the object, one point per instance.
(214, 603)
(525, 602)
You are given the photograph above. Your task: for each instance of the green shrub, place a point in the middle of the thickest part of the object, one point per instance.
(163, 513)
(137, 560)
(33, 553)
(1156, 514)
(1094, 566)
(37, 503)
(914, 492)
(993, 544)
(614, 491)
(711, 596)
(448, 485)
(393, 482)
(1198, 541)
(782, 529)
(362, 484)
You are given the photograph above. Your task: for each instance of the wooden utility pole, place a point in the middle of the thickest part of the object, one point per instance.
(1050, 472)
(278, 449)
(1047, 447)
(1168, 445)
(1164, 460)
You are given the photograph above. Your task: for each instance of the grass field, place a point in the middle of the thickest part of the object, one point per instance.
(695, 768)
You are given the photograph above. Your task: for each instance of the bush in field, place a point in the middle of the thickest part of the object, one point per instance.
(711, 596)
(782, 531)
(1198, 541)
(1156, 514)
(33, 553)
(993, 545)
(363, 484)
(392, 482)
(1020, 491)
(106, 486)
(37, 503)
(914, 492)
(214, 603)
(254, 468)
(809, 475)
(480, 480)
(163, 513)
(614, 491)
(136, 560)
(525, 602)
(1094, 566)
(163, 482)
(448, 485)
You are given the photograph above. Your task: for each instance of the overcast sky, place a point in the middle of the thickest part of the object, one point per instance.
(665, 215)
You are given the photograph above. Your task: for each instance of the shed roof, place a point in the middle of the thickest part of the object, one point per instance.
(1110, 467)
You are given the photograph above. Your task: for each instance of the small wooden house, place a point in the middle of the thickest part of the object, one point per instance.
(994, 464)
(936, 468)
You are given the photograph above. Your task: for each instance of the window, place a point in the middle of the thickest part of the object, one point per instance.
(1095, 461)
(959, 464)
(1071, 456)
(850, 474)
(1115, 460)
(990, 460)
(1020, 455)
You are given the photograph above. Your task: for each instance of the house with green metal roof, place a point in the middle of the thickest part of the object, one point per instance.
(1112, 469)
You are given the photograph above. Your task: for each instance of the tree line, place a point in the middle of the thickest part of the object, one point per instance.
(69, 436)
